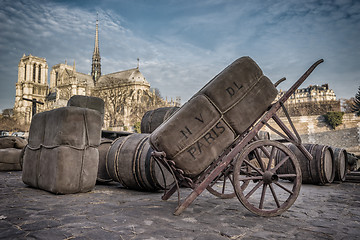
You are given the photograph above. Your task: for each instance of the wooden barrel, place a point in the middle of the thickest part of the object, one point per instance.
(264, 135)
(321, 170)
(352, 164)
(129, 162)
(102, 175)
(340, 159)
(154, 118)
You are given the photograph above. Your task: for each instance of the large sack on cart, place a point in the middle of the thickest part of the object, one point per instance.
(215, 116)
(61, 156)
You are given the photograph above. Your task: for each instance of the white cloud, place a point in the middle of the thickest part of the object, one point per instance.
(195, 42)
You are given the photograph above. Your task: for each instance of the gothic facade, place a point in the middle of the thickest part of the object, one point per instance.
(126, 94)
(31, 85)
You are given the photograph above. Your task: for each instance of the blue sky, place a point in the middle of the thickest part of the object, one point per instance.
(182, 44)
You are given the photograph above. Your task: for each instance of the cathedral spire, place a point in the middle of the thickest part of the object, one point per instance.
(96, 65)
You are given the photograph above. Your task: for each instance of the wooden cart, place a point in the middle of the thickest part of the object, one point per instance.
(264, 174)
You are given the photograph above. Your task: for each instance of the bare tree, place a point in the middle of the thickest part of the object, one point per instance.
(346, 104)
(356, 105)
(124, 104)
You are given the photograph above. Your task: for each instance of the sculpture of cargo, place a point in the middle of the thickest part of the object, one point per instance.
(214, 117)
(214, 137)
(61, 156)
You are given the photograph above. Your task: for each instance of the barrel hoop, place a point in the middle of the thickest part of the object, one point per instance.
(321, 165)
(342, 174)
(136, 164)
(332, 164)
(116, 161)
(312, 163)
(149, 169)
(109, 159)
(115, 147)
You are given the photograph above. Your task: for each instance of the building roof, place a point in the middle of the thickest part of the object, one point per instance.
(126, 76)
(84, 78)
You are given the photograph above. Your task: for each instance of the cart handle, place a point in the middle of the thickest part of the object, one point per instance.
(279, 81)
(299, 82)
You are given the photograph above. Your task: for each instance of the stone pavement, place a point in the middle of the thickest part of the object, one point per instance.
(110, 212)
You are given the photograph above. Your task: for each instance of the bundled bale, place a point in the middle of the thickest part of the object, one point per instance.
(154, 118)
(321, 170)
(61, 156)
(12, 142)
(214, 117)
(129, 162)
(94, 103)
(103, 148)
(10, 159)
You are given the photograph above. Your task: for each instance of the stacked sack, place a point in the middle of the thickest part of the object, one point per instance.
(11, 149)
(214, 117)
(62, 156)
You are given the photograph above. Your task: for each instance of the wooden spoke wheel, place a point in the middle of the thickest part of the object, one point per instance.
(273, 178)
(223, 186)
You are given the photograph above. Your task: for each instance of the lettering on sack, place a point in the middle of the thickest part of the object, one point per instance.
(186, 131)
(207, 140)
(234, 88)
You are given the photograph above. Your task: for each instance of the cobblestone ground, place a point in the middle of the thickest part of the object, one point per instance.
(110, 212)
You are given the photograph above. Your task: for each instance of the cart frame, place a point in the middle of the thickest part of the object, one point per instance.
(239, 146)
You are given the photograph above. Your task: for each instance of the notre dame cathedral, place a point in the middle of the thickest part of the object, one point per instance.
(127, 94)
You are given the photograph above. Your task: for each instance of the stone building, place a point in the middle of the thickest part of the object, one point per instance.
(31, 84)
(126, 94)
(313, 100)
(65, 82)
(313, 93)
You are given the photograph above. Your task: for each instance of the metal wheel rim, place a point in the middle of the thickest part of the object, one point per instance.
(265, 180)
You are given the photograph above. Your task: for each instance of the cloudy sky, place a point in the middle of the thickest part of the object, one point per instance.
(182, 44)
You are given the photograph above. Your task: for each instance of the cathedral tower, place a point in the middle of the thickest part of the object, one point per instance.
(32, 84)
(96, 65)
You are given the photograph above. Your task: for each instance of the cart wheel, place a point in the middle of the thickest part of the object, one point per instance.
(274, 175)
(222, 186)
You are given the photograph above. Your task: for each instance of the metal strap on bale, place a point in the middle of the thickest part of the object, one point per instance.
(87, 141)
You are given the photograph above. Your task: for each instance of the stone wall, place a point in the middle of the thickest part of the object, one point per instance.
(314, 129)
(311, 108)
